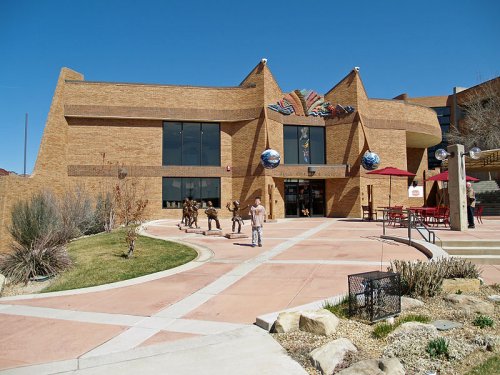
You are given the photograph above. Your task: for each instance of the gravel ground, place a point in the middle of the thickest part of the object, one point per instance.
(467, 345)
(20, 289)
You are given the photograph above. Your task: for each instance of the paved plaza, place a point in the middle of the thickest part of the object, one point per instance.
(209, 303)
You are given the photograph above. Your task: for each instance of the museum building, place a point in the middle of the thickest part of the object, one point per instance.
(205, 143)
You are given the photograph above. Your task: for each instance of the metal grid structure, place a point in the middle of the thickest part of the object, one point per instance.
(374, 295)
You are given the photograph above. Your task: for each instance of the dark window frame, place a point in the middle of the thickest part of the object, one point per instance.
(183, 194)
(201, 143)
(311, 148)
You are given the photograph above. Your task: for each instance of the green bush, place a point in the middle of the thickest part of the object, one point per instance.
(341, 309)
(483, 321)
(437, 348)
(414, 318)
(424, 279)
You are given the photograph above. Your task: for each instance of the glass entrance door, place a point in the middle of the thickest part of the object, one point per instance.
(304, 198)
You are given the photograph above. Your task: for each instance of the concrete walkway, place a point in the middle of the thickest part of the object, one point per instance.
(302, 261)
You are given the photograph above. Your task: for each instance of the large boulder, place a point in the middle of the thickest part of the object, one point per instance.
(463, 285)
(327, 357)
(286, 322)
(408, 303)
(388, 366)
(321, 322)
(468, 304)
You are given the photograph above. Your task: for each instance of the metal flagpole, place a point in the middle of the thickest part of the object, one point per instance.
(25, 141)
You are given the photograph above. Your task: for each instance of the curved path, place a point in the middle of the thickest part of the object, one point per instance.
(302, 261)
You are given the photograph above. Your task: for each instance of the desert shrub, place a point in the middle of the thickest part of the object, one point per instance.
(341, 309)
(437, 347)
(483, 321)
(424, 279)
(104, 216)
(34, 219)
(77, 216)
(414, 318)
(44, 257)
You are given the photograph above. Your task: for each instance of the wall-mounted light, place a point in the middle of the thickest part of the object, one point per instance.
(311, 171)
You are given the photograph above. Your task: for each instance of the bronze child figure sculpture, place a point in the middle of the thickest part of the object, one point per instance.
(236, 215)
(186, 206)
(211, 213)
(194, 214)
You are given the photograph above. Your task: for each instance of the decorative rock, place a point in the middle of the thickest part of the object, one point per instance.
(387, 366)
(2, 283)
(464, 285)
(286, 322)
(195, 230)
(330, 355)
(213, 232)
(412, 329)
(494, 298)
(445, 325)
(321, 322)
(490, 342)
(408, 303)
(235, 235)
(469, 304)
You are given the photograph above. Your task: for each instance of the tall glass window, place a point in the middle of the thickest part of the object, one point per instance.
(304, 144)
(191, 143)
(175, 189)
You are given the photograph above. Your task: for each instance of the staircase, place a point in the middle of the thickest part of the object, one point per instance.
(488, 196)
(477, 251)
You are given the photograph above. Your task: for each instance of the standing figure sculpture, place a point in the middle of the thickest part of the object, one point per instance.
(236, 215)
(185, 212)
(211, 213)
(193, 215)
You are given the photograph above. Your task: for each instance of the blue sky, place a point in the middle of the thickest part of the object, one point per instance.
(419, 47)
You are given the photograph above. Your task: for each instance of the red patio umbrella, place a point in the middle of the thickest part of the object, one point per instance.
(443, 176)
(391, 171)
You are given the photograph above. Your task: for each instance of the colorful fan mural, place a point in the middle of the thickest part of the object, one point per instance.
(308, 103)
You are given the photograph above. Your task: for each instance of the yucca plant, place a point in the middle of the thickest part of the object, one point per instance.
(483, 321)
(437, 347)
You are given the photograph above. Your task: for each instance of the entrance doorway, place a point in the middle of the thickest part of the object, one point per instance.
(304, 198)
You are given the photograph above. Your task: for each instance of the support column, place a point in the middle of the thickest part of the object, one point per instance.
(456, 188)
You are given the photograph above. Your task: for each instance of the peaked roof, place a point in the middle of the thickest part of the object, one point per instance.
(4, 172)
(262, 78)
(349, 91)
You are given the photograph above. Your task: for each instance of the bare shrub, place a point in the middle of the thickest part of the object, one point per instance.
(76, 214)
(424, 279)
(43, 257)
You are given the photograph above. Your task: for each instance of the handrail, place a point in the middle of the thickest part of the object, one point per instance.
(414, 222)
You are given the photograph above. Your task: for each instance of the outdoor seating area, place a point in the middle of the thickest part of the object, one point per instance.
(429, 216)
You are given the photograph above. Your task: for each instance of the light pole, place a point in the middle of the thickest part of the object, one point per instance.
(456, 182)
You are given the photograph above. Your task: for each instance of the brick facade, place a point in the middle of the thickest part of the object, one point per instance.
(96, 128)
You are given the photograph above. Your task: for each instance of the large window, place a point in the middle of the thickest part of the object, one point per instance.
(191, 143)
(200, 189)
(304, 144)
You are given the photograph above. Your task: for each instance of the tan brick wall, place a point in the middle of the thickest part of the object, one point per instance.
(122, 124)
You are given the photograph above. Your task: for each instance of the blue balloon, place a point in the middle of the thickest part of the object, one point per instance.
(270, 159)
(370, 161)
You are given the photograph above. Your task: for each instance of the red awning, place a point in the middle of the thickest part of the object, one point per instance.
(391, 171)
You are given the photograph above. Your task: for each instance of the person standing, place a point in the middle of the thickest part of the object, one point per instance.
(258, 217)
(471, 203)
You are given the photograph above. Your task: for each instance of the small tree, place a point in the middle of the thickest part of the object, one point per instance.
(481, 124)
(130, 210)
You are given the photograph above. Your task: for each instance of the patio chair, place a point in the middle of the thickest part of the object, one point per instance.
(479, 214)
(442, 216)
(369, 214)
(396, 215)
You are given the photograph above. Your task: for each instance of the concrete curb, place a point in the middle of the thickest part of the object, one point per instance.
(431, 251)
(266, 321)
(204, 255)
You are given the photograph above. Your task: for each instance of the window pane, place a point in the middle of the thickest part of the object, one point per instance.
(191, 142)
(172, 143)
(317, 145)
(304, 145)
(210, 191)
(171, 192)
(191, 188)
(210, 144)
(290, 144)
